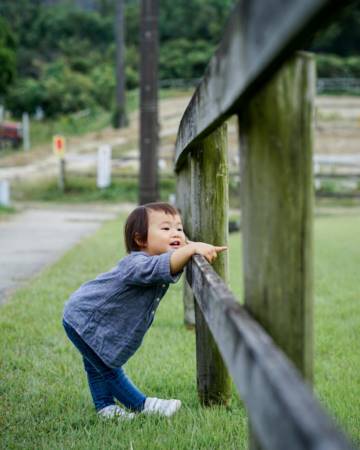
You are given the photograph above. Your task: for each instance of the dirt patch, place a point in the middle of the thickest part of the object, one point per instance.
(337, 131)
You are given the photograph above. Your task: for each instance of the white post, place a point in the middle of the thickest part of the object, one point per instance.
(62, 174)
(104, 166)
(26, 131)
(2, 113)
(172, 199)
(4, 193)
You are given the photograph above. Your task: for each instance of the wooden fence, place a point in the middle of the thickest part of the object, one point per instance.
(256, 75)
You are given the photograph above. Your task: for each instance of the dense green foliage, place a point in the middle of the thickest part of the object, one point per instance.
(337, 45)
(65, 55)
(7, 56)
(330, 65)
(342, 35)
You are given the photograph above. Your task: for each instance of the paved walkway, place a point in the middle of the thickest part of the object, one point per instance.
(38, 236)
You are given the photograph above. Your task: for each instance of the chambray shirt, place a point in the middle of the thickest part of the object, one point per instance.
(113, 312)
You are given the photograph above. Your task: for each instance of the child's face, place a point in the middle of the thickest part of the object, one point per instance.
(165, 232)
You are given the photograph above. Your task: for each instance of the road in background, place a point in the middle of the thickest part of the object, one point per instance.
(38, 236)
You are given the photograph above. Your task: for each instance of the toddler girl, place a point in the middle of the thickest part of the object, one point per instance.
(107, 318)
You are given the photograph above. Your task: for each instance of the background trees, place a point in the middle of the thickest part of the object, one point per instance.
(62, 57)
(7, 57)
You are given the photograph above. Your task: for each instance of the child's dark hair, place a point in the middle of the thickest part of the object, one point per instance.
(137, 223)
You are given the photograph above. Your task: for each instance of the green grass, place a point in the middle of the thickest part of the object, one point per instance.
(337, 203)
(44, 400)
(337, 318)
(43, 131)
(80, 189)
(6, 210)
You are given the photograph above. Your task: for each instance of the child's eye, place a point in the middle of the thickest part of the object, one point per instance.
(179, 229)
(165, 228)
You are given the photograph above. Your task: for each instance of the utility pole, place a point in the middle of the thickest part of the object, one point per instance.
(149, 190)
(120, 118)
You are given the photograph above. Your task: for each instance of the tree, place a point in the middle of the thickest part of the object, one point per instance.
(7, 57)
(120, 119)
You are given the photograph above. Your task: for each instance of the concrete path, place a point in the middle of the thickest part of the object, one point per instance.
(39, 235)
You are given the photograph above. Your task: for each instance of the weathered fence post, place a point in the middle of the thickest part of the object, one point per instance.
(209, 211)
(183, 202)
(276, 199)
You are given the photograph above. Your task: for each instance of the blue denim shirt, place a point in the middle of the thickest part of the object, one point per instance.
(113, 312)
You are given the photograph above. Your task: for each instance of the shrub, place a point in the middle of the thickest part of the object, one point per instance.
(329, 66)
(181, 58)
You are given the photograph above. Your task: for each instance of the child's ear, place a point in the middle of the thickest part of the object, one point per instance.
(139, 241)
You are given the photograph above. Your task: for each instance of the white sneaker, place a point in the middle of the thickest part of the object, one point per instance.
(111, 411)
(163, 407)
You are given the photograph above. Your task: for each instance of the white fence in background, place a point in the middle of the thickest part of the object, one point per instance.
(337, 85)
(327, 85)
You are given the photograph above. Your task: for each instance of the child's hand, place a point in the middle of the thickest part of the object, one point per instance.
(181, 256)
(209, 251)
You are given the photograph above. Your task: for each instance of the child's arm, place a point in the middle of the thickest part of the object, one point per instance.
(181, 256)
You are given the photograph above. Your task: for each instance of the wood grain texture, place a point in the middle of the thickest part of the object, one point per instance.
(277, 201)
(183, 203)
(209, 212)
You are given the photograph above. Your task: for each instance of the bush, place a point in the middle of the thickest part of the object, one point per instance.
(181, 58)
(103, 85)
(7, 56)
(24, 95)
(353, 64)
(60, 90)
(132, 67)
(66, 93)
(332, 66)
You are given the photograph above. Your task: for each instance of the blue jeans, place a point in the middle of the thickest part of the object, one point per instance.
(106, 383)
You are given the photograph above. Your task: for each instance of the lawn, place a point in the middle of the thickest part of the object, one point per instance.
(81, 189)
(6, 211)
(44, 401)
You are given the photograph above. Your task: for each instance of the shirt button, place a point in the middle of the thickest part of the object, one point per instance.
(158, 299)
(163, 286)
(152, 312)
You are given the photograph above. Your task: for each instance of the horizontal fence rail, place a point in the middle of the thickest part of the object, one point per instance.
(259, 36)
(283, 411)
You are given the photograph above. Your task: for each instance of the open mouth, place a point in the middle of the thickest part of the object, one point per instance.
(175, 244)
